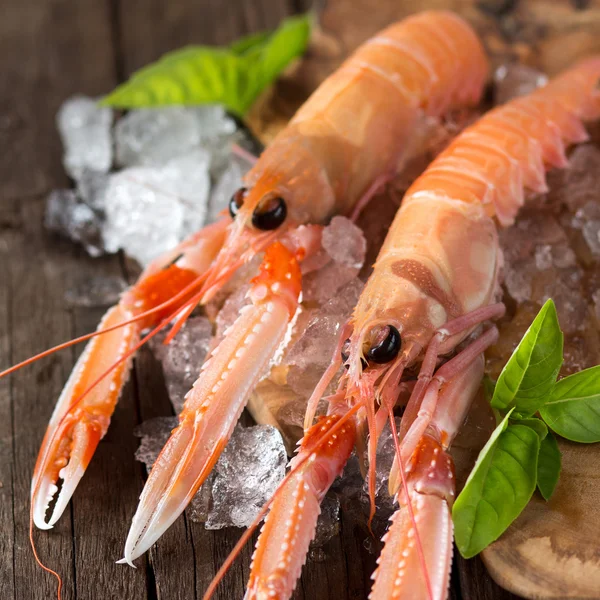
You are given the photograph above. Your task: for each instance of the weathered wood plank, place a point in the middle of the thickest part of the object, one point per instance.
(48, 51)
(171, 559)
(7, 530)
(36, 281)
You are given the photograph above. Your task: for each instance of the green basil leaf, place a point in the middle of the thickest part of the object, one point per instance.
(536, 424)
(498, 489)
(573, 410)
(249, 42)
(528, 378)
(549, 462)
(233, 76)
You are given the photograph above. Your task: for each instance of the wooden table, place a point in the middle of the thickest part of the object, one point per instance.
(49, 50)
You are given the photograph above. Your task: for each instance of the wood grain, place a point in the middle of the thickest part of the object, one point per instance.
(552, 549)
(50, 49)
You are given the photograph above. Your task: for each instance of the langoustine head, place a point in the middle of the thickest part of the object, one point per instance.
(286, 188)
(441, 261)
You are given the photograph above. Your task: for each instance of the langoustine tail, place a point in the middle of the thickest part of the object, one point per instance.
(507, 150)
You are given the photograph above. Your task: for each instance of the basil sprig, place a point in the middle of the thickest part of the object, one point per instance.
(232, 75)
(521, 453)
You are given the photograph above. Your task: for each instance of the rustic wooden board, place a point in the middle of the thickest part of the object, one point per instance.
(50, 49)
(553, 550)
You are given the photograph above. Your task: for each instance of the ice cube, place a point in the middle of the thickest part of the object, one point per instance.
(246, 476)
(318, 286)
(68, 216)
(154, 434)
(564, 286)
(155, 136)
(514, 80)
(229, 181)
(150, 209)
(91, 188)
(587, 218)
(543, 257)
(291, 414)
(532, 228)
(310, 355)
(517, 279)
(577, 184)
(85, 130)
(182, 358)
(345, 244)
(98, 291)
(580, 352)
(200, 505)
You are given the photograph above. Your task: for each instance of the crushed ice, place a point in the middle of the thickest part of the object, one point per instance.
(244, 478)
(182, 358)
(514, 80)
(139, 199)
(85, 130)
(174, 173)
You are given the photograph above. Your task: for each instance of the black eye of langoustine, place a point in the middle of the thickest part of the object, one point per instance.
(387, 349)
(236, 202)
(270, 214)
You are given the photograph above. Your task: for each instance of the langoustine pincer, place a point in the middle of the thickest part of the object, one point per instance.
(434, 284)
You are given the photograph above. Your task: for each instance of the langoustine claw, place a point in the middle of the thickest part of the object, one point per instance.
(290, 525)
(407, 571)
(216, 400)
(83, 411)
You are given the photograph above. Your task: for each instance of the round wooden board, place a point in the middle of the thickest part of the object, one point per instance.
(553, 549)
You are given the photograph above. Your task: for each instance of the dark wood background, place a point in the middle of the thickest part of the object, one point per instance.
(49, 50)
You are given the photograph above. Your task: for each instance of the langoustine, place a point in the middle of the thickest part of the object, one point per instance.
(435, 282)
